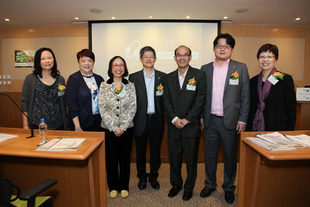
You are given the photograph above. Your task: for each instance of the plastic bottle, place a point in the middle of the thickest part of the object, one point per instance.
(43, 131)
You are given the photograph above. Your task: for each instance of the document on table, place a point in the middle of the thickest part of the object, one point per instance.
(301, 139)
(4, 136)
(62, 144)
(268, 145)
(278, 139)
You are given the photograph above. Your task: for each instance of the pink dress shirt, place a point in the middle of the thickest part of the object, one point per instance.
(219, 79)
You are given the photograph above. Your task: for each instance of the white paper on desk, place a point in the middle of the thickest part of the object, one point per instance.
(62, 144)
(301, 139)
(4, 136)
(65, 144)
(278, 139)
(268, 145)
(46, 146)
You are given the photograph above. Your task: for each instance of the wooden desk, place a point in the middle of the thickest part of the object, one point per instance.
(268, 178)
(302, 115)
(81, 174)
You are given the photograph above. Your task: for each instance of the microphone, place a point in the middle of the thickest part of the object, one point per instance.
(31, 124)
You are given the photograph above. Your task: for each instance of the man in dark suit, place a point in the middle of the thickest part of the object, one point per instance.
(149, 119)
(183, 100)
(225, 113)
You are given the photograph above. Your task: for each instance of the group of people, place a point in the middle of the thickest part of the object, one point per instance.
(219, 99)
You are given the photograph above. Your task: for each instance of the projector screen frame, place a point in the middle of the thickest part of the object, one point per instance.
(203, 58)
(148, 21)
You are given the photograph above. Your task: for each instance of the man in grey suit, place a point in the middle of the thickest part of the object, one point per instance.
(183, 101)
(225, 113)
(149, 119)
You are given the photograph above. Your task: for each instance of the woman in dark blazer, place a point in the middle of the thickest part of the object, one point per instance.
(273, 98)
(82, 95)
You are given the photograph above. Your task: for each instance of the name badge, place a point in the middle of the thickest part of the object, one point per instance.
(122, 94)
(234, 82)
(61, 93)
(159, 93)
(273, 80)
(190, 87)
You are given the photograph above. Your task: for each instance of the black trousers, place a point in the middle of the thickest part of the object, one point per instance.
(96, 127)
(118, 150)
(154, 136)
(189, 147)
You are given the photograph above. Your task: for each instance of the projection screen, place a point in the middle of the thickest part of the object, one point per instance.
(126, 38)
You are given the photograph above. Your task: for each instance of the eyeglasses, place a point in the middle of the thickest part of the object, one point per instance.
(182, 55)
(267, 57)
(148, 57)
(118, 65)
(226, 47)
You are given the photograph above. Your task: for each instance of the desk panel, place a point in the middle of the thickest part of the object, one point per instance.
(273, 178)
(80, 174)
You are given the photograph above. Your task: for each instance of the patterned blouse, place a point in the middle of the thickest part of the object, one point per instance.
(117, 110)
(47, 105)
(92, 85)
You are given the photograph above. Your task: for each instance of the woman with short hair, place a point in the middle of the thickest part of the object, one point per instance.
(82, 95)
(273, 98)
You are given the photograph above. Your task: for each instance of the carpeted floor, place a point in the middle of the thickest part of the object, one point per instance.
(157, 198)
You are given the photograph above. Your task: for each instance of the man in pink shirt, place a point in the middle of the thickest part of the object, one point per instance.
(225, 113)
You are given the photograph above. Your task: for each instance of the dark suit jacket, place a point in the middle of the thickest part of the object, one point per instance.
(184, 103)
(141, 114)
(236, 100)
(280, 105)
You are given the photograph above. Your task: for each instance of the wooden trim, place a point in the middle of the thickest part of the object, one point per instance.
(256, 179)
(25, 166)
(91, 182)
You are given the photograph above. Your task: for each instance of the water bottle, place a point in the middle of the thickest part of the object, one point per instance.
(43, 131)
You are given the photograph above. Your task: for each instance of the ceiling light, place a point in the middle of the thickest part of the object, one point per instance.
(188, 17)
(7, 20)
(225, 17)
(94, 10)
(113, 17)
(150, 17)
(244, 10)
(297, 19)
(76, 18)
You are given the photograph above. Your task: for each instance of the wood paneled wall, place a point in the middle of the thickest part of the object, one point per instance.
(81, 30)
(276, 31)
(10, 116)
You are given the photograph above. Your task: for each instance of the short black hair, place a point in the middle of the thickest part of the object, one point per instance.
(145, 49)
(229, 40)
(175, 51)
(268, 47)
